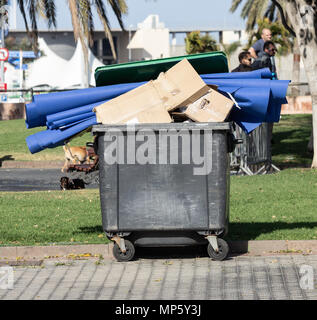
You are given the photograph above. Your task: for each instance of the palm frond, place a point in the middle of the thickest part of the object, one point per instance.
(235, 4)
(103, 17)
(32, 14)
(22, 9)
(270, 12)
(49, 12)
(246, 9)
(256, 12)
(86, 19)
(119, 7)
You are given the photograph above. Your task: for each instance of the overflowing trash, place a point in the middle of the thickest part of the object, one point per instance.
(179, 94)
(177, 203)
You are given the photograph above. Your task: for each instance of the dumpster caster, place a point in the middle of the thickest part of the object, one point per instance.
(220, 252)
(124, 254)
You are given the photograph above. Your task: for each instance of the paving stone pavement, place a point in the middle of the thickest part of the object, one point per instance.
(238, 278)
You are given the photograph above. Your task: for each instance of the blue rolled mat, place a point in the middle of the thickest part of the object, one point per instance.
(72, 112)
(248, 127)
(264, 73)
(46, 104)
(68, 133)
(252, 108)
(259, 98)
(53, 138)
(68, 121)
(66, 126)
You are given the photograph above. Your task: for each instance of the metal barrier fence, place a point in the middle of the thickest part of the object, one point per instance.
(298, 89)
(253, 156)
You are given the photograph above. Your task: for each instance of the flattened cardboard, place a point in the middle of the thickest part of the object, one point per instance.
(141, 100)
(212, 107)
(179, 86)
(156, 114)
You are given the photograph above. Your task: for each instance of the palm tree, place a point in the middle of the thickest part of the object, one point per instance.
(229, 49)
(280, 35)
(45, 7)
(294, 16)
(254, 11)
(82, 19)
(195, 43)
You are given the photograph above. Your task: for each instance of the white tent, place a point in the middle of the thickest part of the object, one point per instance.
(76, 67)
(60, 73)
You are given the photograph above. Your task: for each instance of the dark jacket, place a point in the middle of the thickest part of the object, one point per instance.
(242, 68)
(264, 61)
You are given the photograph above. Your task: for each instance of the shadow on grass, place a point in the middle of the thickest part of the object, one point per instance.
(291, 143)
(252, 230)
(87, 230)
(237, 230)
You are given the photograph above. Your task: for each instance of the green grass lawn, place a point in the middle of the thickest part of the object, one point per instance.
(47, 217)
(279, 206)
(290, 137)
(276, 206)
(13, 146)
(266, 207)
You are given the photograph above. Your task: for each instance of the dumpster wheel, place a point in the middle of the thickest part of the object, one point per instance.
(124, 256)
(223, 250)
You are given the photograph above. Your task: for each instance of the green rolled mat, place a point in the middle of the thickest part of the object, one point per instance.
(137, 71)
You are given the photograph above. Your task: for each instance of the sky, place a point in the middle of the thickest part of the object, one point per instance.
(197, 14)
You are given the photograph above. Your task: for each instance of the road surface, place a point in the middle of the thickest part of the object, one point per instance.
(32, 179)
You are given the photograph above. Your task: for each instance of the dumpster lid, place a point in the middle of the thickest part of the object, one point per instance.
(138, 71)
(166, 126)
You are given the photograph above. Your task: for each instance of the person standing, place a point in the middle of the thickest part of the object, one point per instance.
(245, 62)
(265, 60)
(257, 49)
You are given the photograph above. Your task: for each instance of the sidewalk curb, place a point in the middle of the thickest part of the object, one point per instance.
(251, 248)
(42, 252)
(31, 164)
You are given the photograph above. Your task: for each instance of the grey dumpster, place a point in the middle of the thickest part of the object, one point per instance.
(164, 185)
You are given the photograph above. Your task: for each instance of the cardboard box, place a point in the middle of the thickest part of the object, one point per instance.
(136, 104)
(212, 107)
(150, 103)
(180, 86)
(156, 114)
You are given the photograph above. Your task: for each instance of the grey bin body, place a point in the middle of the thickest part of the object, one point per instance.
(165, 204)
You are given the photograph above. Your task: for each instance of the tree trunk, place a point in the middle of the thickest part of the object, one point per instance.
(302, 15)
(296, 68)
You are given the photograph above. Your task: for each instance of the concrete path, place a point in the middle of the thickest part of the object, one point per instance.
(285, 277)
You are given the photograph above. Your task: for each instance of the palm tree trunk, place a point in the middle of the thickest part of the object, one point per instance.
(296, 68)
(78, 33)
